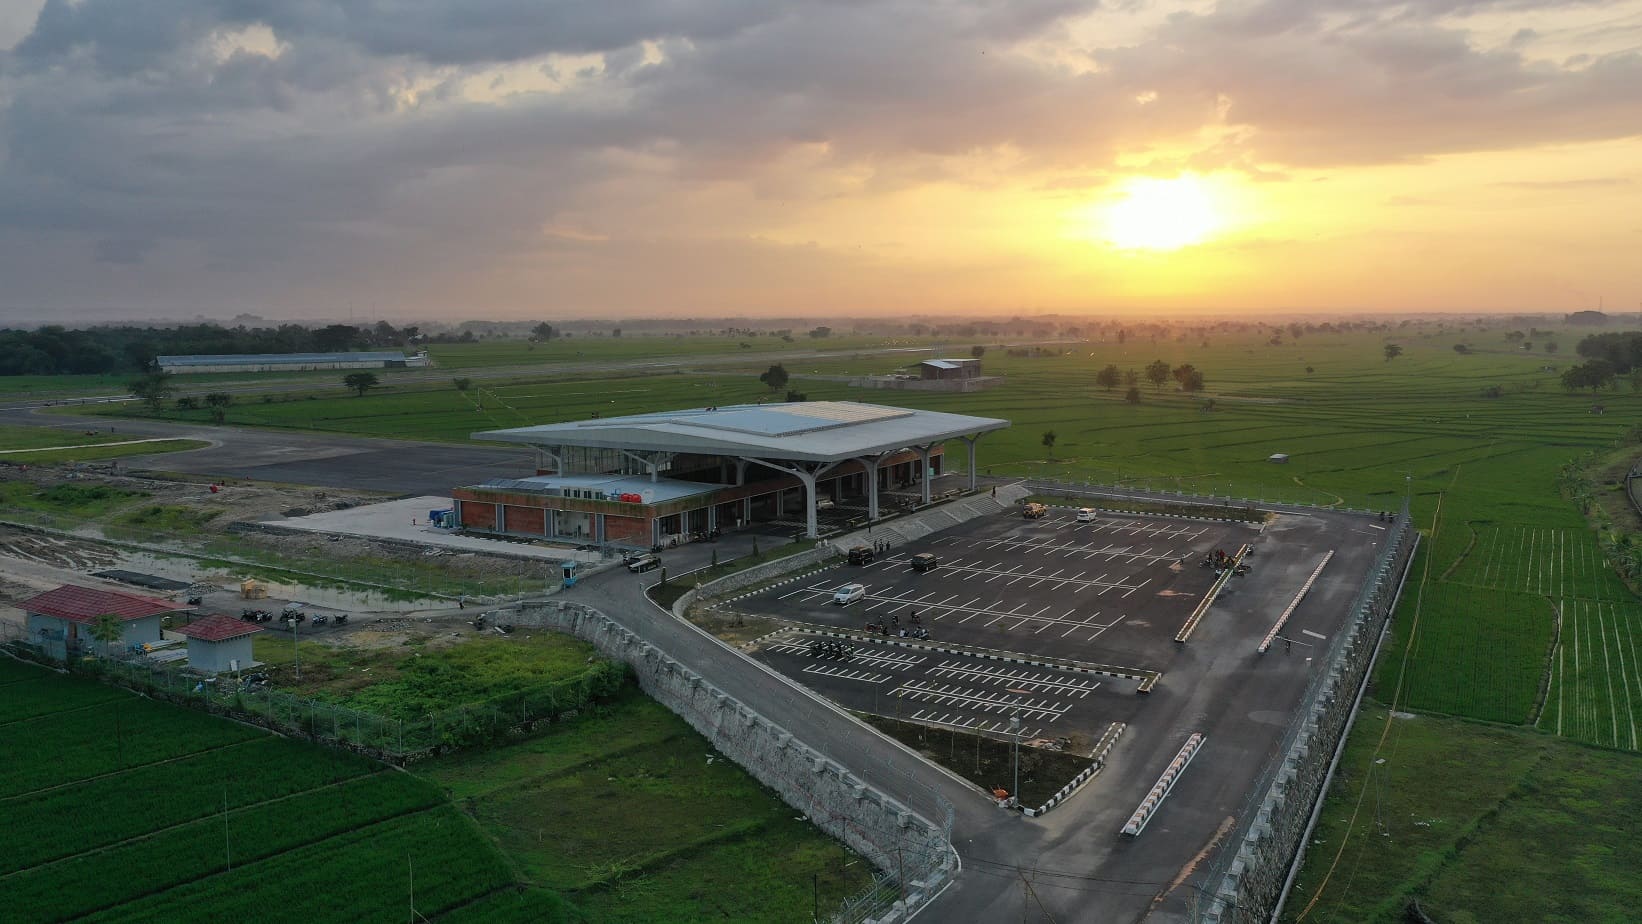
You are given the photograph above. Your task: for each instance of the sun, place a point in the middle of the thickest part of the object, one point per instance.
(1160, 215)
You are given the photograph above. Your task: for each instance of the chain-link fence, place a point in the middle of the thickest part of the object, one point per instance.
(1235, 500)
(396, 739)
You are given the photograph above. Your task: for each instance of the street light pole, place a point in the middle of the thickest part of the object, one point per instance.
(1015, 732)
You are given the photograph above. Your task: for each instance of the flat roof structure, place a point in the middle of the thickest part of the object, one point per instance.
(808, 440)
(260, 359)
(814, 431)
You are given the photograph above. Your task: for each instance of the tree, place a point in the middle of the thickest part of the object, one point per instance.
(615, 332)
(1049, 442)
(821, 332)
(152, 388)
(187, 403)
(1189, 377)
(1310, 370)
(776, 378)
(1132, 395)
(219, 402)
(337, 338)
(796, 396)
(1595, 375)
(977, 351)
(1550, 346)
(1108, 377)
(1157, 373)
(462, 384)
(106, 628)
(360, 382)
(1392, 351)
(1131, 378)
(543, 331)
(1461, 349)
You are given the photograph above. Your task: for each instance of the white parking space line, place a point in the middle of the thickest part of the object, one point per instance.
(965, 698)
(844, 673)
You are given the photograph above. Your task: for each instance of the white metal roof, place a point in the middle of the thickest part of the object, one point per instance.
(947, 363)
(817, 431)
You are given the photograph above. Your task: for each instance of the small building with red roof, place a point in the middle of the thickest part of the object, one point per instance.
(219, 643)
(60, 620)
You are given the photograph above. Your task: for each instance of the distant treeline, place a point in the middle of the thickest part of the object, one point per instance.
(112, 350)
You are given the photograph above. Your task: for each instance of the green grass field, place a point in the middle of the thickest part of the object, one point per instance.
(1479, 823)
(119, 808)
(628, 813)
(41, 446)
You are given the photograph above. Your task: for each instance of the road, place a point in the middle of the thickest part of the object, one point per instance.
(326, 460)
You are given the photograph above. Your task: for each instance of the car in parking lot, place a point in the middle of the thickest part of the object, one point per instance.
(644, 563)
(1086, 514)
(848, 594)
(860, 555)
(924, 561)
(1034, 511)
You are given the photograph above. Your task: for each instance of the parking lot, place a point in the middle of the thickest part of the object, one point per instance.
(923, 682)
(1057, 621)
(1114, 591)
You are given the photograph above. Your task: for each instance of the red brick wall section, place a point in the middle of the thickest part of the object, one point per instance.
(478, 515)
(530, 521)
(623, 529)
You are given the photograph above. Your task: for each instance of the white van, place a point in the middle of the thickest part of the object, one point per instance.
(1086, 514)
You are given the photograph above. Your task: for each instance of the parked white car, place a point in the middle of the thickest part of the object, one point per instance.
(1086, 515)
(849, 593)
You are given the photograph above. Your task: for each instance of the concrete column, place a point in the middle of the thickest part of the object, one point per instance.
(501, 518)
(780, 503)
(923, 470)
(872, 488)
(740, 472)
(655, 531)
(970, 441)
(712, 518)
(456, 511)
(598, 527)
(811, 528)
(746, 510)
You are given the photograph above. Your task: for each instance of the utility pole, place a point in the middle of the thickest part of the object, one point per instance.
(227, 848)
(296, 650)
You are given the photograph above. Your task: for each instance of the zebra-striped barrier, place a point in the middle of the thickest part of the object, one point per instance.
(1289, 610)
(1165, 783)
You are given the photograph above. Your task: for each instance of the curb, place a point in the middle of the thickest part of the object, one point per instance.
(1169, 516)
(1102, 748)
(1147, 678)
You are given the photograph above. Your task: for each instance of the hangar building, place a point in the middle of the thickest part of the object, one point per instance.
(290, 362)
(641, 479)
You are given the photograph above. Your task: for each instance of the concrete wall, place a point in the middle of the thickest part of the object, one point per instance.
(216, 657)
(1253, 881)
(886, 832)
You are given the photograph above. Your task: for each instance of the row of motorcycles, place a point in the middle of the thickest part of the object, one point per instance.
(289, 619)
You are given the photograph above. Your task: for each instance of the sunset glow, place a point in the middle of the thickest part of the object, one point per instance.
(1161, 215)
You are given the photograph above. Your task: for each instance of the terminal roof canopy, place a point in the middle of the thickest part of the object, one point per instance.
(817, 431)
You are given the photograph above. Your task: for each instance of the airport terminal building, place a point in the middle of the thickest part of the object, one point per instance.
(648, 479)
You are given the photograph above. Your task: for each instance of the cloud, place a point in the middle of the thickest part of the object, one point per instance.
(409, 146)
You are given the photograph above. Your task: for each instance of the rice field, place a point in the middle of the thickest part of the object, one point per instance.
(119, 808)
(1596, 677)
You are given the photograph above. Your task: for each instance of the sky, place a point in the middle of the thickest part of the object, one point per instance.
(585, 158)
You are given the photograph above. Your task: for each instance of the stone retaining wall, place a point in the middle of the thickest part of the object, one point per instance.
(892, 836)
